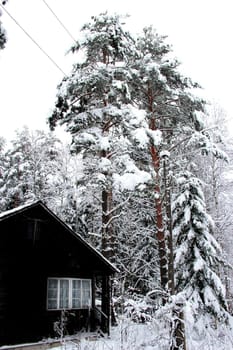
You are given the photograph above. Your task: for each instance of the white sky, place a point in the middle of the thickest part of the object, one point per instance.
(200, 32)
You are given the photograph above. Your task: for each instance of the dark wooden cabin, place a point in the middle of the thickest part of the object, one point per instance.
(46, 268)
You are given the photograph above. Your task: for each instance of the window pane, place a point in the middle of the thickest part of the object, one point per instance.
(76, 294)
(86, 284)
(52, 283)
(52, 303)
(76, 303)
(52, 293)
(64, 294)
(86, 298)
(86, 293)
(76, 284)
(61, 297)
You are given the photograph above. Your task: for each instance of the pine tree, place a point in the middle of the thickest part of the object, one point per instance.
(97, 105)
(30, 169)
(171, 110)
(94, 103)
(134, 120)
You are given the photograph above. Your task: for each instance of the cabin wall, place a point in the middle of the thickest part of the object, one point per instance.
(29, 254)
(3, 290)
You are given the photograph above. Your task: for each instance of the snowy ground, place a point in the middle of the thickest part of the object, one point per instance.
(131, 336)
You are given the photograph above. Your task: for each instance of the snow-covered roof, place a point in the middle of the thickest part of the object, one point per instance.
(6, 214)
(11, 212)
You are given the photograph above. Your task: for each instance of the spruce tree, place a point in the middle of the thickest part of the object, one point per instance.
(197, 254)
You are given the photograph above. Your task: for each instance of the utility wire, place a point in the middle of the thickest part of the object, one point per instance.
(63, 26)
(33, 40)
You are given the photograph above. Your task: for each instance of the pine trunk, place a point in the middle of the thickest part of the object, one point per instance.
(158, 204)
(159, 215)
(107, 231)
(166, 260)
(167, 200)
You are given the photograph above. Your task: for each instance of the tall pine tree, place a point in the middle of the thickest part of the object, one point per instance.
(95, 105)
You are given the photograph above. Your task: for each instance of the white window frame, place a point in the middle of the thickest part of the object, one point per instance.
(70, 298)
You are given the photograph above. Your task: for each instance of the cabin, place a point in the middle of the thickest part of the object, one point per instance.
(50, 278)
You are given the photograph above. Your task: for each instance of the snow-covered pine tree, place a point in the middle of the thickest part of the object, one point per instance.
(164, 94)
(69, 184)
(197, 253)
(30, 169)
(95, 105)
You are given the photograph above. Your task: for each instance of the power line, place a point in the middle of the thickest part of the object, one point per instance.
(33, 40)
(63, 26)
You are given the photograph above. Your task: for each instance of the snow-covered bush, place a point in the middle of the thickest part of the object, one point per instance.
(139, 309)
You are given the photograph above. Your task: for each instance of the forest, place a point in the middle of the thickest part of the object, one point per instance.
(146, 179)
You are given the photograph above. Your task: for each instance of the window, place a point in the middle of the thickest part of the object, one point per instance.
(68, 293)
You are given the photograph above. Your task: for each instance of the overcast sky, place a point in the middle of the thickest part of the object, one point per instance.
(200, 32)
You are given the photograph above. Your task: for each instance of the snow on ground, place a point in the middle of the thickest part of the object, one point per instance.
(151, 336)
